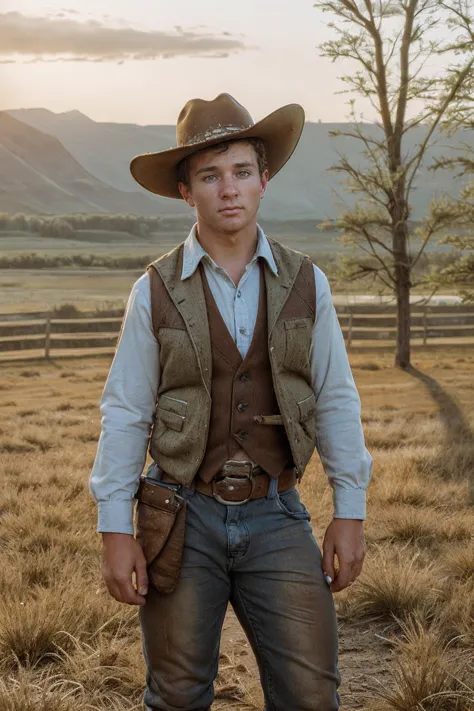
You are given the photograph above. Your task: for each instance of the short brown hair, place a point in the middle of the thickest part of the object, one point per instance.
(256, 143)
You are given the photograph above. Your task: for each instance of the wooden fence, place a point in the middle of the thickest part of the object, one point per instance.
(40, 334)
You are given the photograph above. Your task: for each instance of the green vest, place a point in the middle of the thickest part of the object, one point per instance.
(180, 429)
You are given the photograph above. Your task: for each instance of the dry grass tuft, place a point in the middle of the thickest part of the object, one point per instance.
(458, 562)
(43, 690)
(426, 526)
(369, 365)
(26, 639)
(104, 667)
(29, 697)
(230, 687)
(64, 407)
(393, 584)
(456, 618)
(429, 675)
(45, 618)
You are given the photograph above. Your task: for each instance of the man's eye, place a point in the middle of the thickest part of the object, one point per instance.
(244, 172)
(208, 178)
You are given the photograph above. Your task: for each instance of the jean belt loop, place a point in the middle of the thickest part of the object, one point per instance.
(189, 490)
(272, 488)
(154, 472)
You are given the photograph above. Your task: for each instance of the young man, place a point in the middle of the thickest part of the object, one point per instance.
(231, 356)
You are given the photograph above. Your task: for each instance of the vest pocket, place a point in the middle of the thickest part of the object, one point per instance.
(170, 419)
(298, 343)
(172, 412)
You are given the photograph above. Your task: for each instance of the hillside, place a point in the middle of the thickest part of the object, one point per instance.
(303, 190)
(39, 175)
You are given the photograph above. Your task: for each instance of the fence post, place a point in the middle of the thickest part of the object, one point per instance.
(349, 335)
(425, 329)
(47, 340)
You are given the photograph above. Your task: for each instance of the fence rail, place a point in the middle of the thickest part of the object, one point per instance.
(42, 335)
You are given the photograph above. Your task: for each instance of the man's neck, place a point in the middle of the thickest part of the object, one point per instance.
(231, 251)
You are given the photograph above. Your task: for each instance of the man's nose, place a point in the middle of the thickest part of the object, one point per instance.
(228, 186)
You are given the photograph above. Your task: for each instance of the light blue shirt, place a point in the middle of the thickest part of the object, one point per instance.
(128, 399)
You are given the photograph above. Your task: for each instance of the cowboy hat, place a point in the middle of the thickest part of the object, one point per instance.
(204, 123)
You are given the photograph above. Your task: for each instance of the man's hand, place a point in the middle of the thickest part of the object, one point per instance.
(121, 555)
(344, 537)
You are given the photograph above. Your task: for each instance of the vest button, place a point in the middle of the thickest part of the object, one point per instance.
(244, 377)
(242, 406)
(243, 434)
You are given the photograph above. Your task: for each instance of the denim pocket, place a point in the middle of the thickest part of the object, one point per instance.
(290, 503)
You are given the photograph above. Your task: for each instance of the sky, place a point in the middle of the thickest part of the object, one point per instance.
(139, 61)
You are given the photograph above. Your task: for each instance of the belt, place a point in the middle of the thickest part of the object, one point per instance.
(240, 481)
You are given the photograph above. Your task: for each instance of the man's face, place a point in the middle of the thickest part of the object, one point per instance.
(225, 188)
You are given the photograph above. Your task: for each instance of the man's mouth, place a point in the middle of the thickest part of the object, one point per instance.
(230, 210)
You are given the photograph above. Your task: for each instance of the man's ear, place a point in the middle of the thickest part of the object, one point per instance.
(186, 194)
(264, 183)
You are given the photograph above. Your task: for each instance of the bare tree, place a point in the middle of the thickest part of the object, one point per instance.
(392, 41)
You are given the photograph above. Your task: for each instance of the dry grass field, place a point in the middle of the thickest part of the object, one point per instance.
(406, 626)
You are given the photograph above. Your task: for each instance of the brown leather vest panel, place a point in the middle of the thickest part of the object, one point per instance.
(242, 389)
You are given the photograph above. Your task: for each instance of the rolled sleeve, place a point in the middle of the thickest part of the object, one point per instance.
(339, 436)
(127, 407)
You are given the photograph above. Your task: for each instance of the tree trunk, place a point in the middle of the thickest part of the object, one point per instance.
(402, 352)
(402, 275)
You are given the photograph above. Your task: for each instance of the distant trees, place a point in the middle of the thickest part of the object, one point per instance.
(34, 260)
(65, 226)
(391, 42)
(56, 227)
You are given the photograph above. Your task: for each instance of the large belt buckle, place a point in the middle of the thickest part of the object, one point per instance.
(232, 465)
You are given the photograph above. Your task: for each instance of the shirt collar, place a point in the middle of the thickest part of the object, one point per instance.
(193, 253)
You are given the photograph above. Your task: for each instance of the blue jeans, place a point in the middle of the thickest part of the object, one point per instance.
(261, 557)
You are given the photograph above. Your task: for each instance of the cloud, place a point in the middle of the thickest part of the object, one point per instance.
(38, 39)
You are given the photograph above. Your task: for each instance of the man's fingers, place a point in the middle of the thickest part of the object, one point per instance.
(328, 559)
(346, 575)
(343, 577)
(129, 595)
(344, 538)
(122, 555)
(142, 577)
(123, 591)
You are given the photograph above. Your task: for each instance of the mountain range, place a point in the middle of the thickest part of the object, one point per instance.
(53, 163)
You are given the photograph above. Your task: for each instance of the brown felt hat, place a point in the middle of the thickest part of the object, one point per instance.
(204, 123)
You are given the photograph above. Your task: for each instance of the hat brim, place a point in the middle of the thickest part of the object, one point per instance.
(280, 132)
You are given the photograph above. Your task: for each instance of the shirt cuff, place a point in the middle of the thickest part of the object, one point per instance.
(116, 516)
(349, 503)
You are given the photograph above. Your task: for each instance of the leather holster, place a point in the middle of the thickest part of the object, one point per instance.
(161, 525)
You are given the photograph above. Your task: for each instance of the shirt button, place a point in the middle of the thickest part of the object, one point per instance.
(239, 294)
(244, 377)
(242, 330)
(243, 434)
(242, 406)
